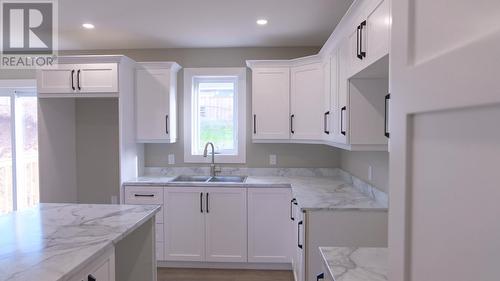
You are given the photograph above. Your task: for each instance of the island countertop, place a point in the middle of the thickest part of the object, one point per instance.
(312, 193)
(54, 241)
(355, 264)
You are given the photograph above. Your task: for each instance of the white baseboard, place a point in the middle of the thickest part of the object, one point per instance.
(225, 265)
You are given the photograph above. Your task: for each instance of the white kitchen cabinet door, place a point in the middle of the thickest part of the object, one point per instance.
(306, 116)
(333, 117)
(269, 235)
(341, 114)
(226, 224)
(327, 126)
(271, 103)
(444, 146)
(60, 80)
(97, 78)
(155, 101)
(378, 23)
(184, 224)
(299, 246)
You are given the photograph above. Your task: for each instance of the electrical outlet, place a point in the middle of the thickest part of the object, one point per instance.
(272, 159)
(114, 199)
(370, 172)
(171, 159)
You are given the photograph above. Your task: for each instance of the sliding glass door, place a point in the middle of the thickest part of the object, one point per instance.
(18, 149)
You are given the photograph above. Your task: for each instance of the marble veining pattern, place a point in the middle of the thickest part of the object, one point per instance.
(356, 264)
(315, 189)
(54, 241)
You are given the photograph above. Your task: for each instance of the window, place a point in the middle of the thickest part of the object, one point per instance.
(214, 111)
(18, 148)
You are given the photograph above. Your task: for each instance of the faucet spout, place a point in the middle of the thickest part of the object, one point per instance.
(213, 171)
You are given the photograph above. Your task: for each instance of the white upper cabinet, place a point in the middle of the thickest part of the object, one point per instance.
(370, 33)
(156, 102)
(271, 103)
(307, 98)
(89, 78)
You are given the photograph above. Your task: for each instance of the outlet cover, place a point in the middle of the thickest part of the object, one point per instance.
(171, 159)
(114, 199)
(370, 173)
(272, 159)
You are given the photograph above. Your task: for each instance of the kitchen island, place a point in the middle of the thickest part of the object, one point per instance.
(52, 242)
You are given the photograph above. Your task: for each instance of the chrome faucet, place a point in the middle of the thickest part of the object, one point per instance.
(213, 169)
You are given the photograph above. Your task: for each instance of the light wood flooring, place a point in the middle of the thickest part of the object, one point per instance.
(191, 274)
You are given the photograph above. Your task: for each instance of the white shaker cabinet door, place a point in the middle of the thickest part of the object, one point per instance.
(271, 103)
(307, 97)
(444, 145)
(184, 224)
(269, 235)
(226, 224)
(60, 80)
(97, 78)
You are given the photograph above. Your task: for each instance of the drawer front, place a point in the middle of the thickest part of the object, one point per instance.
(144, 195)
(159, 233)
(159, 251)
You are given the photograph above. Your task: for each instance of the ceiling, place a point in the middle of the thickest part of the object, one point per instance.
(133, 24)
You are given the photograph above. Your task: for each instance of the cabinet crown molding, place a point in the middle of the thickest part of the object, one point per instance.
(94, 59)
(172, 65)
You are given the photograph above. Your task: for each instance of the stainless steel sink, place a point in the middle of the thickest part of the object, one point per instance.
(228, 179)
(185, 178)
(201, 179)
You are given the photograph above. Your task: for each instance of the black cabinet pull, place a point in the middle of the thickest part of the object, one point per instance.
(201, 202)
(207, 203)
(144, 195)
(255, 123)
(291, 123)
(91, 278)
(78, 79)
(166, 124)
(361, 52)
(320, 276)
(358, 29)
(342, 120)
(325, 122)
(386, 115)
(73, 79)
(291, 209)
(298, 234)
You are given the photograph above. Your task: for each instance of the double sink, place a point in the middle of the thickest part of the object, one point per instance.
(207, 179)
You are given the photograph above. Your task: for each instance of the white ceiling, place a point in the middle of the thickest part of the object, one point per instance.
(132, 24)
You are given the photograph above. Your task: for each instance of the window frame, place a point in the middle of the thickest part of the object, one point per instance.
(15, 85)
(241, 101)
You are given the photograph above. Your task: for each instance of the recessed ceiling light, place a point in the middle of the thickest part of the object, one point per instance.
(262, 22)
(88, 26)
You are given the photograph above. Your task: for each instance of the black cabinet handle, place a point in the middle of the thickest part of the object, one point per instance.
(320, 276)
(361, 52)
(291, 123)
(144, 195)
(358, 29)
(73, 79)
(78, 79)
(207, 203)
(255, 123)
(298, 234)
(91, 278)
(386, 115)
(325, 122)
(201, 202)
(166, 124)
(291, 209)
(342, 120)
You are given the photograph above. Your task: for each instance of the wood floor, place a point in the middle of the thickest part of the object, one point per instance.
(190, 274)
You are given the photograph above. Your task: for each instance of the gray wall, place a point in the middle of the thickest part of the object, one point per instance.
(357, 163)
(288, 155)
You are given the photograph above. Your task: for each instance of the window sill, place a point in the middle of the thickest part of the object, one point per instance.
(219, 159)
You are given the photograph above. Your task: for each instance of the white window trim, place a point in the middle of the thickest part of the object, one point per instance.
(189, 74)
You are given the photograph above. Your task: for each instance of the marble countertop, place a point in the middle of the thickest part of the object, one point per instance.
(355, 264)
(312, 193)
(54, 241)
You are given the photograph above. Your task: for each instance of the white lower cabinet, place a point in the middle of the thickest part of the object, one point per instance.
(269, 235)
(205, 224)
(226, 225)
(101, 269)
